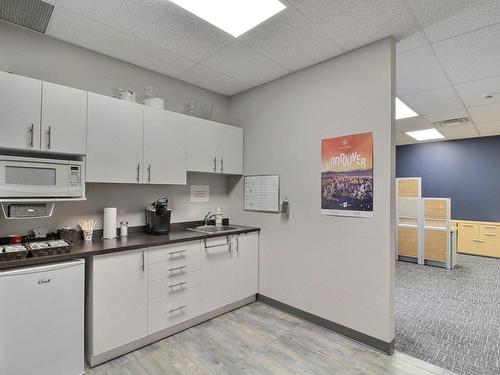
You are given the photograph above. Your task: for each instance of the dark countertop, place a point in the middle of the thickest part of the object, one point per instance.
(135, 240)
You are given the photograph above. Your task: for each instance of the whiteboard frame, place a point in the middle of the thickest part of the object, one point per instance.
(279, 192)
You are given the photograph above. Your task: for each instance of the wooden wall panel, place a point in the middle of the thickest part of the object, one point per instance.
(435, 209)
(408, 188)
(408, 242)
(435, 245)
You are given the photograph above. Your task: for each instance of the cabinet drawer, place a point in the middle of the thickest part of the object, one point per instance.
(173, 267)
(173, 252)
(166, 311)
(174, 284)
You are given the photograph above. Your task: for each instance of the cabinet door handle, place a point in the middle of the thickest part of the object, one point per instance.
(31, 131)
(177, 252)
(149, 173)
(215, 164)
(143, 263)
(138, 171)
(49, 134)
(172, 286)
(222, 165)
(177, 309)
(180, 268)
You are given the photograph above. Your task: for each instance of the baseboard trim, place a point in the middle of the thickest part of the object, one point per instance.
(377, 344)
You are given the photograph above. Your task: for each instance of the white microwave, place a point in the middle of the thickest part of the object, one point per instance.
(27, 177)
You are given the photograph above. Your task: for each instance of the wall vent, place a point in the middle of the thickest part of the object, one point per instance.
(451, 122)
(32, 14)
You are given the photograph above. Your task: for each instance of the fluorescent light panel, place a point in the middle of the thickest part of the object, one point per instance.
(425, 135)
(403, 111)
(233, 16)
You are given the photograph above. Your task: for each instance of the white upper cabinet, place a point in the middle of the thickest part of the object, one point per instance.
(114, 140)
(214, 147)
(230, 149)
(20, 103)
(165, 139)
(64, 119)
(202, 145)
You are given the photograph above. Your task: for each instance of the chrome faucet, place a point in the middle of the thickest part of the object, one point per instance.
(208, 216)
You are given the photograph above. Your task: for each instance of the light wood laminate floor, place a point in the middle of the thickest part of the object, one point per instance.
(259, 339)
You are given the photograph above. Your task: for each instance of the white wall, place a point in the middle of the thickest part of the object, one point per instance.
(339, 268)
(35, 55)
(130, 201)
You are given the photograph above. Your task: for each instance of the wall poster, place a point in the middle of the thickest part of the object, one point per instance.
(347, 175)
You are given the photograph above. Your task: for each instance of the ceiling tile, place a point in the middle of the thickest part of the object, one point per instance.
(485, 113)
(489, 128)
(412, 123)
(245, 64)
(438, 100)
(418, 70)
(471, 56)
(356, 23)
(210, 79)
(443, 19)
(472, 92)
(85, 32)
(403, 139)
(159, 22)
(459, 131)
(440, 116)
(412, 41)
(292, 40)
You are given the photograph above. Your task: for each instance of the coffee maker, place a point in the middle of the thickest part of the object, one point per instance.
(158, 217)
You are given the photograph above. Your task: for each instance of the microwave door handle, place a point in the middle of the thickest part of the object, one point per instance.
(31, 131)
(49, 134)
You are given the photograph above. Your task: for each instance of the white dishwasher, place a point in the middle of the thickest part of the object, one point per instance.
(41, 320)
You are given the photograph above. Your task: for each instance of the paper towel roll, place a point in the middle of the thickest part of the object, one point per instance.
(109, 223)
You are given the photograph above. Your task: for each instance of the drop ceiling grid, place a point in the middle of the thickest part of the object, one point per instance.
(440, 62)
(174, 42)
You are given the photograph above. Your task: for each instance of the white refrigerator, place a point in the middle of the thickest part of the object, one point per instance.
(41, 320)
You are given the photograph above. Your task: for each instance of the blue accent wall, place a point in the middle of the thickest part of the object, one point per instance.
(465, 170)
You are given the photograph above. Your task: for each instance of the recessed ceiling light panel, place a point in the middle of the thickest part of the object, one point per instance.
(403, 111)
(233, 16)
(425, 135)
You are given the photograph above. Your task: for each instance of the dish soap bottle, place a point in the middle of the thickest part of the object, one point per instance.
(218, 217)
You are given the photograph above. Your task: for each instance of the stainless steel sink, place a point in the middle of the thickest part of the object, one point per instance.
(212, 229)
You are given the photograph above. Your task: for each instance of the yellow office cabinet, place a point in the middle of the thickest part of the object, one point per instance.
(479, 238)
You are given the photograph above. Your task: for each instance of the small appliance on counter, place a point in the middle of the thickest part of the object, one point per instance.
(158, 217)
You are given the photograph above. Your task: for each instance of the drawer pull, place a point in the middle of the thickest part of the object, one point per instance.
(180, 268)
(178, 284)
(490, 227)
(468, 225)
(490, 234)
(476, 240)
(176, 309)
(177, 252)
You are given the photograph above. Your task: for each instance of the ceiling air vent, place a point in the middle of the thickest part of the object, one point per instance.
(32, 14)
(451, 122)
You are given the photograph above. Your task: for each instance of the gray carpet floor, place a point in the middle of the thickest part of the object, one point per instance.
(450, 318)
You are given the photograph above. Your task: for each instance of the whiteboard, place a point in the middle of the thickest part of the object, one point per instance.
(262, 193)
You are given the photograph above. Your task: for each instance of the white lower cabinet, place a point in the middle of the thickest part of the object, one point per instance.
(118, 300)
(217, 273)
(137, 293)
